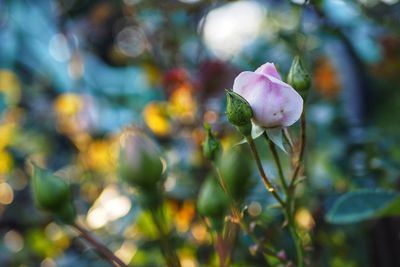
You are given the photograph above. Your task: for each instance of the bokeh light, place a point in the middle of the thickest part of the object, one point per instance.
(108, 207)
(225, 34)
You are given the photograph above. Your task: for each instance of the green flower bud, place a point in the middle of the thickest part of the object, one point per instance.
(213, 202)
(211, 145)
(66, 213)
(49, 191)
(139, 161)
(236, 170)
(151, 198)
(239, 112)
(299, 78)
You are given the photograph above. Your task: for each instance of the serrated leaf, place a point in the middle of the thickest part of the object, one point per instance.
(362, 205)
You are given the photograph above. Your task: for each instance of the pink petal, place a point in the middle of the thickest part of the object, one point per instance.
(274, 103)
(244, 83)
(268, 69)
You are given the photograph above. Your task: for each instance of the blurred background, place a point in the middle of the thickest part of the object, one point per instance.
(73, 73)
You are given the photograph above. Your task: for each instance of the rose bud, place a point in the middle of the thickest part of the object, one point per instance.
(274, 103)
(299, 78)
(211, 145)
(139, 161)
(236, 170)
(213, 202)
(49, 191)
(239, 112)
(66, 213)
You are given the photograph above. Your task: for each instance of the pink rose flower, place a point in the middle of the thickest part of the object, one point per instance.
(275, 104)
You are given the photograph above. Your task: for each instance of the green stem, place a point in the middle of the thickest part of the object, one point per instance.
(264, 249)
(290, 209)
(278, 164)
(101, 249)
(264, 177)
(301, 152)
(237, 218)
(170, 256)
(296, 238)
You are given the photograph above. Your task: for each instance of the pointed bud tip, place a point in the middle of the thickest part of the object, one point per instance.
(238, 110)
(299, 77)
(50, 191)
(211, 145)
(139, 160)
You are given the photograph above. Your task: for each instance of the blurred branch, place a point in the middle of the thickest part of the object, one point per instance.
(102, 250)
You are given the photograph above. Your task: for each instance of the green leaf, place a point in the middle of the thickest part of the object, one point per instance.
(362, 205)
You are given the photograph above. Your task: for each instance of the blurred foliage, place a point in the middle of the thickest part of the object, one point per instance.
(74, 73)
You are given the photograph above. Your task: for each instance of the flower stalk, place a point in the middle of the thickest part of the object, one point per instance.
(278, 164)
(172, 260)
(267, 183)
(101, 249)
(300, 156)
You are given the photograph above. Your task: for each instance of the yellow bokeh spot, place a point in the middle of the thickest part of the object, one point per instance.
(153, 74)
(183, 217)
(6, 194)
(10, 86)
(7, 132)
(182, 103)
(57, 235)
(68, 104)
(156, 118)
(304, 219)
(6, 162)
(200, 232)
(99, 155)
(188, 261)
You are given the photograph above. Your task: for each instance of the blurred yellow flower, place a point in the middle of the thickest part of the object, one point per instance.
(183, 215)
(100, 155)
(156, 118)
(68, 104)
(10, 86)
(200, 232)
(6, 162)
(7, 132)
(304, 219)
(182, 103)
(153, 74)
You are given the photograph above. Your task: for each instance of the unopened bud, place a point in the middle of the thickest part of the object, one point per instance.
(66, 213)
(49, 191)
(239, 112)
(211, 145)
(213, 202)
(299, 77)
(139, 161)
(236, 170)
